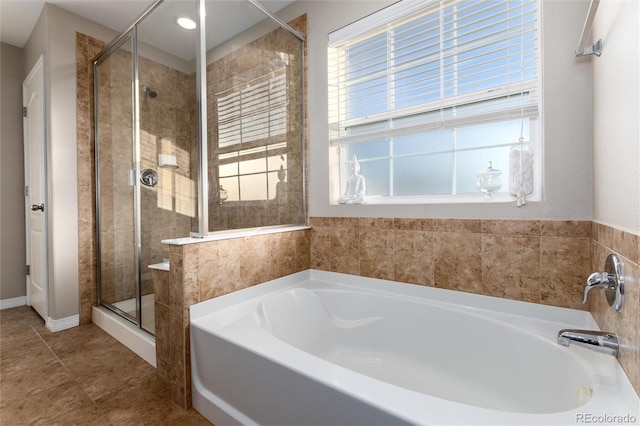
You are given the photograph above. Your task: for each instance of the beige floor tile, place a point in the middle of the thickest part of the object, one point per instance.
(80, 376)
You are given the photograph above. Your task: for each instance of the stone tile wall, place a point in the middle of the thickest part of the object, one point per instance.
(86, 48)
(202, 271)
(625, 323)
(530, 260)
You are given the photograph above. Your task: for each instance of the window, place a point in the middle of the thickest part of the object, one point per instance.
(252, 130)
(426, 93)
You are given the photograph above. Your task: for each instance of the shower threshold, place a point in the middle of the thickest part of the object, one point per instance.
(139, 341)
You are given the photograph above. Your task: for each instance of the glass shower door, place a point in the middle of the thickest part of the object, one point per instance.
(115, 189)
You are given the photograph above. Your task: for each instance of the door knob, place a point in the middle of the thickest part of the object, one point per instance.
(36, 207)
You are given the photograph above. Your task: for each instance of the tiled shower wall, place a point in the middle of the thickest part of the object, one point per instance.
(169, 126)
(86, 48)
(166, 123)
(275, 52)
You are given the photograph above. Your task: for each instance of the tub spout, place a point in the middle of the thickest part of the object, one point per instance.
(599, 341)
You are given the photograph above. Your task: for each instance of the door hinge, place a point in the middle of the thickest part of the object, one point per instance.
(24, 111)
(28, 270)
(132, 177)
(26, 191)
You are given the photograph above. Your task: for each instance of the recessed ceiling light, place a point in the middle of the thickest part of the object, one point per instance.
(186, 23)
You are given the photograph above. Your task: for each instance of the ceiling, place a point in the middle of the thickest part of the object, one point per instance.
(18, 18)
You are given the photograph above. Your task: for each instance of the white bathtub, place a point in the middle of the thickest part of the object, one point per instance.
(332, 349)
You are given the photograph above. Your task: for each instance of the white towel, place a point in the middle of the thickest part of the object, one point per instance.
(521, 171)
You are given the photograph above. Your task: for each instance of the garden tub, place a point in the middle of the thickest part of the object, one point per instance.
(325, 348)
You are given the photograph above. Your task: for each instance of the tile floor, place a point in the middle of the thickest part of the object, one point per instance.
(77, 376)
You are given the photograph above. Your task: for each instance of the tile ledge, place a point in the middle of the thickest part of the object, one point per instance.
(164, 266)
(235, 233)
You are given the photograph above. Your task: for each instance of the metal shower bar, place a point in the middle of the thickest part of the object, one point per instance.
(120, 39)
(583, 48)
(283, 24)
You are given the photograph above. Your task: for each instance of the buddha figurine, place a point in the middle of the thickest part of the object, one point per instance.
(281, 186)
(354, 192)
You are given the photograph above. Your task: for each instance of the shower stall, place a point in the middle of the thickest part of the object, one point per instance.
(197, 129)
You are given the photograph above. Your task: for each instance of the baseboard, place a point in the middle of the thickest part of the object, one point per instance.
(62, 323)
(13, 303)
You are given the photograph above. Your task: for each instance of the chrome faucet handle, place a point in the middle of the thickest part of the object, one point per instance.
(611, 280)
(600, 280)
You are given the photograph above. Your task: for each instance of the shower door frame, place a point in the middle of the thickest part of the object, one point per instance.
(129, 35)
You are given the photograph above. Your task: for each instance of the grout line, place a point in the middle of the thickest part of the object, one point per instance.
(73, 377)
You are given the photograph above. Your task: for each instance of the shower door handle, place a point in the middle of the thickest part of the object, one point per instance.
(36, 207)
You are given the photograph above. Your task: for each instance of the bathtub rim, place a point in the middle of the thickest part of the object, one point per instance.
(574, 317)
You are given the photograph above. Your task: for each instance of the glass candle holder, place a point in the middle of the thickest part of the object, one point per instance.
(488, 181)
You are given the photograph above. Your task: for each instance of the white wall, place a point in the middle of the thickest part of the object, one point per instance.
(12, 227)
(54, 36)
(566, 109)
(616, 115)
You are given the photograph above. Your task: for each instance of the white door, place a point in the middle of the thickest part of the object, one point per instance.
(35, 171)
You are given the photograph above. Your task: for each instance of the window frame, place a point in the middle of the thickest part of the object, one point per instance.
(532, 87)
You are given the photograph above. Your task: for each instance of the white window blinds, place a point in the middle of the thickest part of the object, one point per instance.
(418, 65)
